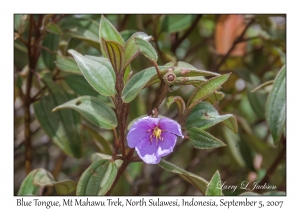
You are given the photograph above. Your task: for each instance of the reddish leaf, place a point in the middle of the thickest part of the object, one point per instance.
(228, 28)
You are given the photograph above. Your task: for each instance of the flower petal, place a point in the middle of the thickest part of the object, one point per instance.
(137, 135)
(146, 122)
(148, 152)
(166, 146)
(140, 130)
(170, 126)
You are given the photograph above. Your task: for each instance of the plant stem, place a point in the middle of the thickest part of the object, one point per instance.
(33, 55)
(26, 102)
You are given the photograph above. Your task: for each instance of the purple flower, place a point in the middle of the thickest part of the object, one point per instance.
(153, 138)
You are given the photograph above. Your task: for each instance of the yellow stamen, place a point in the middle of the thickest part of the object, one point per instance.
(157, 134)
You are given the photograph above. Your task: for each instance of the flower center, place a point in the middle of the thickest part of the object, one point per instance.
(156, 134)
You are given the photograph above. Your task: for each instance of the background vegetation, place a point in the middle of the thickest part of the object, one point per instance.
(252, 47)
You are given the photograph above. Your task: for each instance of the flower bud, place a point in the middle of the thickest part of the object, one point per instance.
(169, 78)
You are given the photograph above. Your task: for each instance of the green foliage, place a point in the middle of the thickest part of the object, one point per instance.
(97, 179)
(92, 109)
(146, 48)
(50, 42)
(204, 116)
(138, 82)
(203, 140)
(95, 69)
(214, 188)
(40, 178)
(195, 180)
(63, 126)
(276, 106)
(215, 73)
(206, 89)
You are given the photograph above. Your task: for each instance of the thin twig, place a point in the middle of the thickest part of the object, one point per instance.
(26, 103)
(186, 34)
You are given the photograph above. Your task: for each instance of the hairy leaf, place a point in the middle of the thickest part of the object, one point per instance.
(115, 53)
(109, 32)
(204, 116)
(276, 106)
(67, 64)
(206, 89)
(98, 72)
(146, 48)
(213, 188)
(97, 178)
(203, 140)
(92, 109)
(138, 82)
(131, 49)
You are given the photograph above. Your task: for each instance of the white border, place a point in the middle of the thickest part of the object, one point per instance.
(8, 8)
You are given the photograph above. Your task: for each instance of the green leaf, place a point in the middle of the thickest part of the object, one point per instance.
(146, 48)
(50, 42)
(203, 140)
(138, 82)
(99, 140)
(257, 100)
(98, 72)
(21, 23)
(109, 32)
(233, 142)
(99, 156)
(195, 180)
(63, 126)
(213, 188)
(204, 116)
(276, 106)
(20, 55)
(67, 64)
(196, 80)
(115, 53)
(53, 28)
(44, 178)
(131, 49)
(206, 89)
(97, 179)
(189, 74)
(82, 29)
(92, 109)
(80, 86)
(179, 101)
(215, 96)
(176, 23)
(27, 187)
